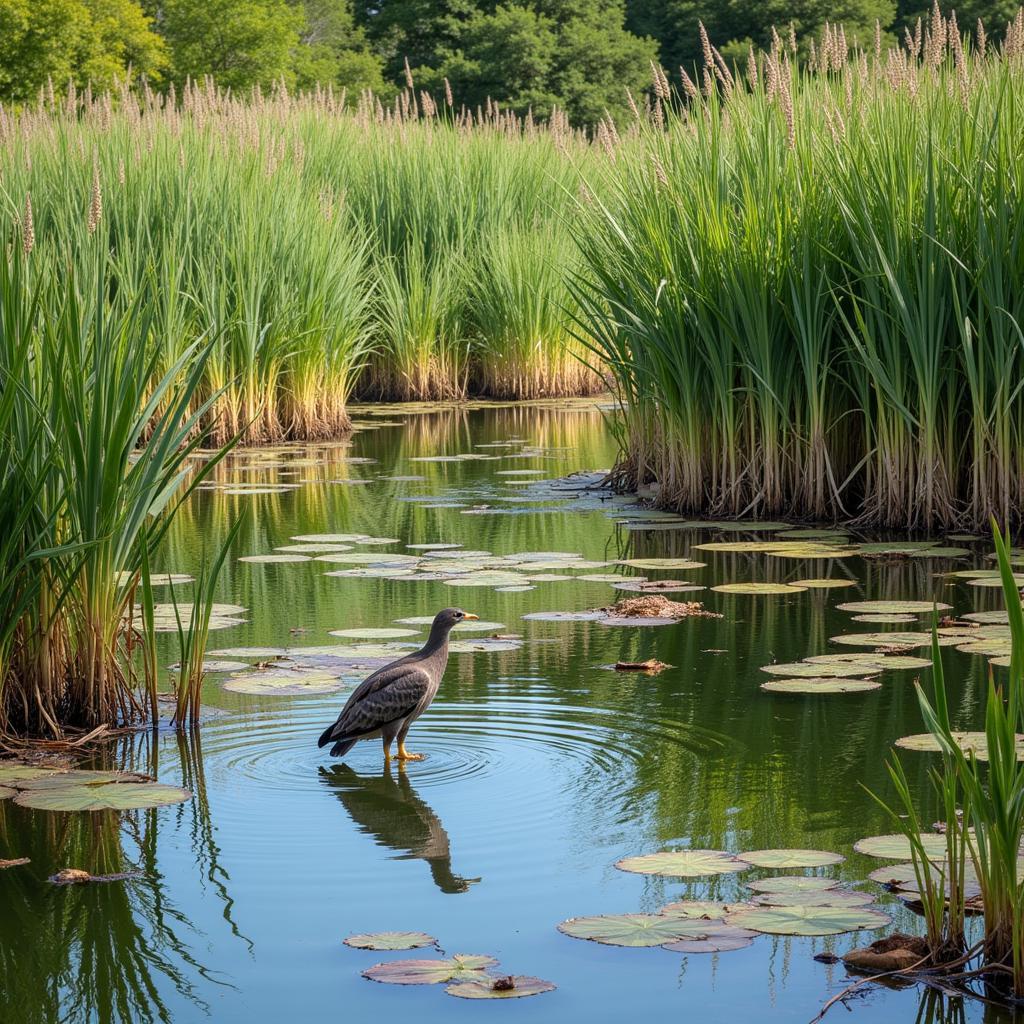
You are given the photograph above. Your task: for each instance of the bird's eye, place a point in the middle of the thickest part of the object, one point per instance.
(459, 615)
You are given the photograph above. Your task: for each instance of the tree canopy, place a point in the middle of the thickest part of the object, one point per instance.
(528, 55)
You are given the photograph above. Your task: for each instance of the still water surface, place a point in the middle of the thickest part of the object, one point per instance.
(542, 769)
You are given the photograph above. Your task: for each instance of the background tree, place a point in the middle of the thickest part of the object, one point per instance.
(333, 48)
(74, 40)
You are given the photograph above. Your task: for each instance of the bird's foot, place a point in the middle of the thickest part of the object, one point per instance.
(404, 755)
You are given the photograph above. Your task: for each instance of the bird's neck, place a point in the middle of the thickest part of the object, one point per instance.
(438, 638)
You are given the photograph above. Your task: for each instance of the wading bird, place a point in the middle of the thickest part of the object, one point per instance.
(386, 703)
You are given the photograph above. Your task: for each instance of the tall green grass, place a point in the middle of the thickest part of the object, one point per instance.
(85, 502)
(807, 286)
(982, 803)
(322, 248)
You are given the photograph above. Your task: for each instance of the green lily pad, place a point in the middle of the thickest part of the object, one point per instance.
(392, 558)
(996, 581)
(373, 633)
(996, 617)
(719, 938)
(969, 742)
(461, 967)
(100, 796)
(329, 538)
(895, 547)
(514, 986)
(940, 552)
(898, 607)
(793, 884)
(757, 588)
(826, 583)
(890, 617)
(285, 683)
(683, 863)
(14, 774)
(702, 910)
(908, 639)
(165, 610)
(513, 590)
(377, 540)
(809, 920)
(662, 563)
(791, 858)
(632, 929)
(897, 846)
(881, 662)
(826, 684)
(311, 549)
(276, 558)
(484, 645)
(214, 666)
(390, 940)
(801, 669)
(825, 898)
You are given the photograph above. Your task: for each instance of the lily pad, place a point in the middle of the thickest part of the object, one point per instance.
(461, 967)
(791, 858)
(484, 645)
(996, 617)
(969, 742)
(897, 846)
(657, 587)
(808, 920)
(471, 626)
(683, 863)
(793, 884)
(757, 588)
(390, 940)
(890, 617)
(14, 774)
(275, 558)
(392, 558)
(883, 662)
(908, 639)
(825, 684)
(14, 862)
(824, 898)
(373, 633)
(633, 929)
(662, 563)
(100, 796)
(591, 616)
(311, 549)
(800, 669)
(285, 683)
(514, 986)
(329, 538)
(826, 583)
(702, 910)
(897, 607)
(214, 666)
(718, 937)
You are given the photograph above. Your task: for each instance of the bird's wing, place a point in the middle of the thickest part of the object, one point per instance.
(387, 695)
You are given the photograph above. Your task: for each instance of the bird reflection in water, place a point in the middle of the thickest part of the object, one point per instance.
(389, 809)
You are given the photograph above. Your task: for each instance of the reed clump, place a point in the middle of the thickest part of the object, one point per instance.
(805, 281)
(323, 247)
(84, 503)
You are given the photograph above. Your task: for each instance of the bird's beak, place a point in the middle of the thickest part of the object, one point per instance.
(470, 615)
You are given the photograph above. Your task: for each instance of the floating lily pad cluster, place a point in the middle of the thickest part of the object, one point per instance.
(47, 789)
(167, 620)
(836, 673)
(467, 976)
(780, 905)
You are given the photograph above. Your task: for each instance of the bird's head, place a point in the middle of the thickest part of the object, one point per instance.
(448, 618)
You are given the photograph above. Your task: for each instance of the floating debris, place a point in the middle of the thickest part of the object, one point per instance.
(651, 666)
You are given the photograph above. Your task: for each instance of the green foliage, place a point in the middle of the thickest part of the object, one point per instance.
(78, 41)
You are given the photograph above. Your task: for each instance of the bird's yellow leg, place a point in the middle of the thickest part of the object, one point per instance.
(404, 755)
(387, 751)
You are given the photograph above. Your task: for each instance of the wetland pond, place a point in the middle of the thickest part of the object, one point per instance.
(544, 766)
